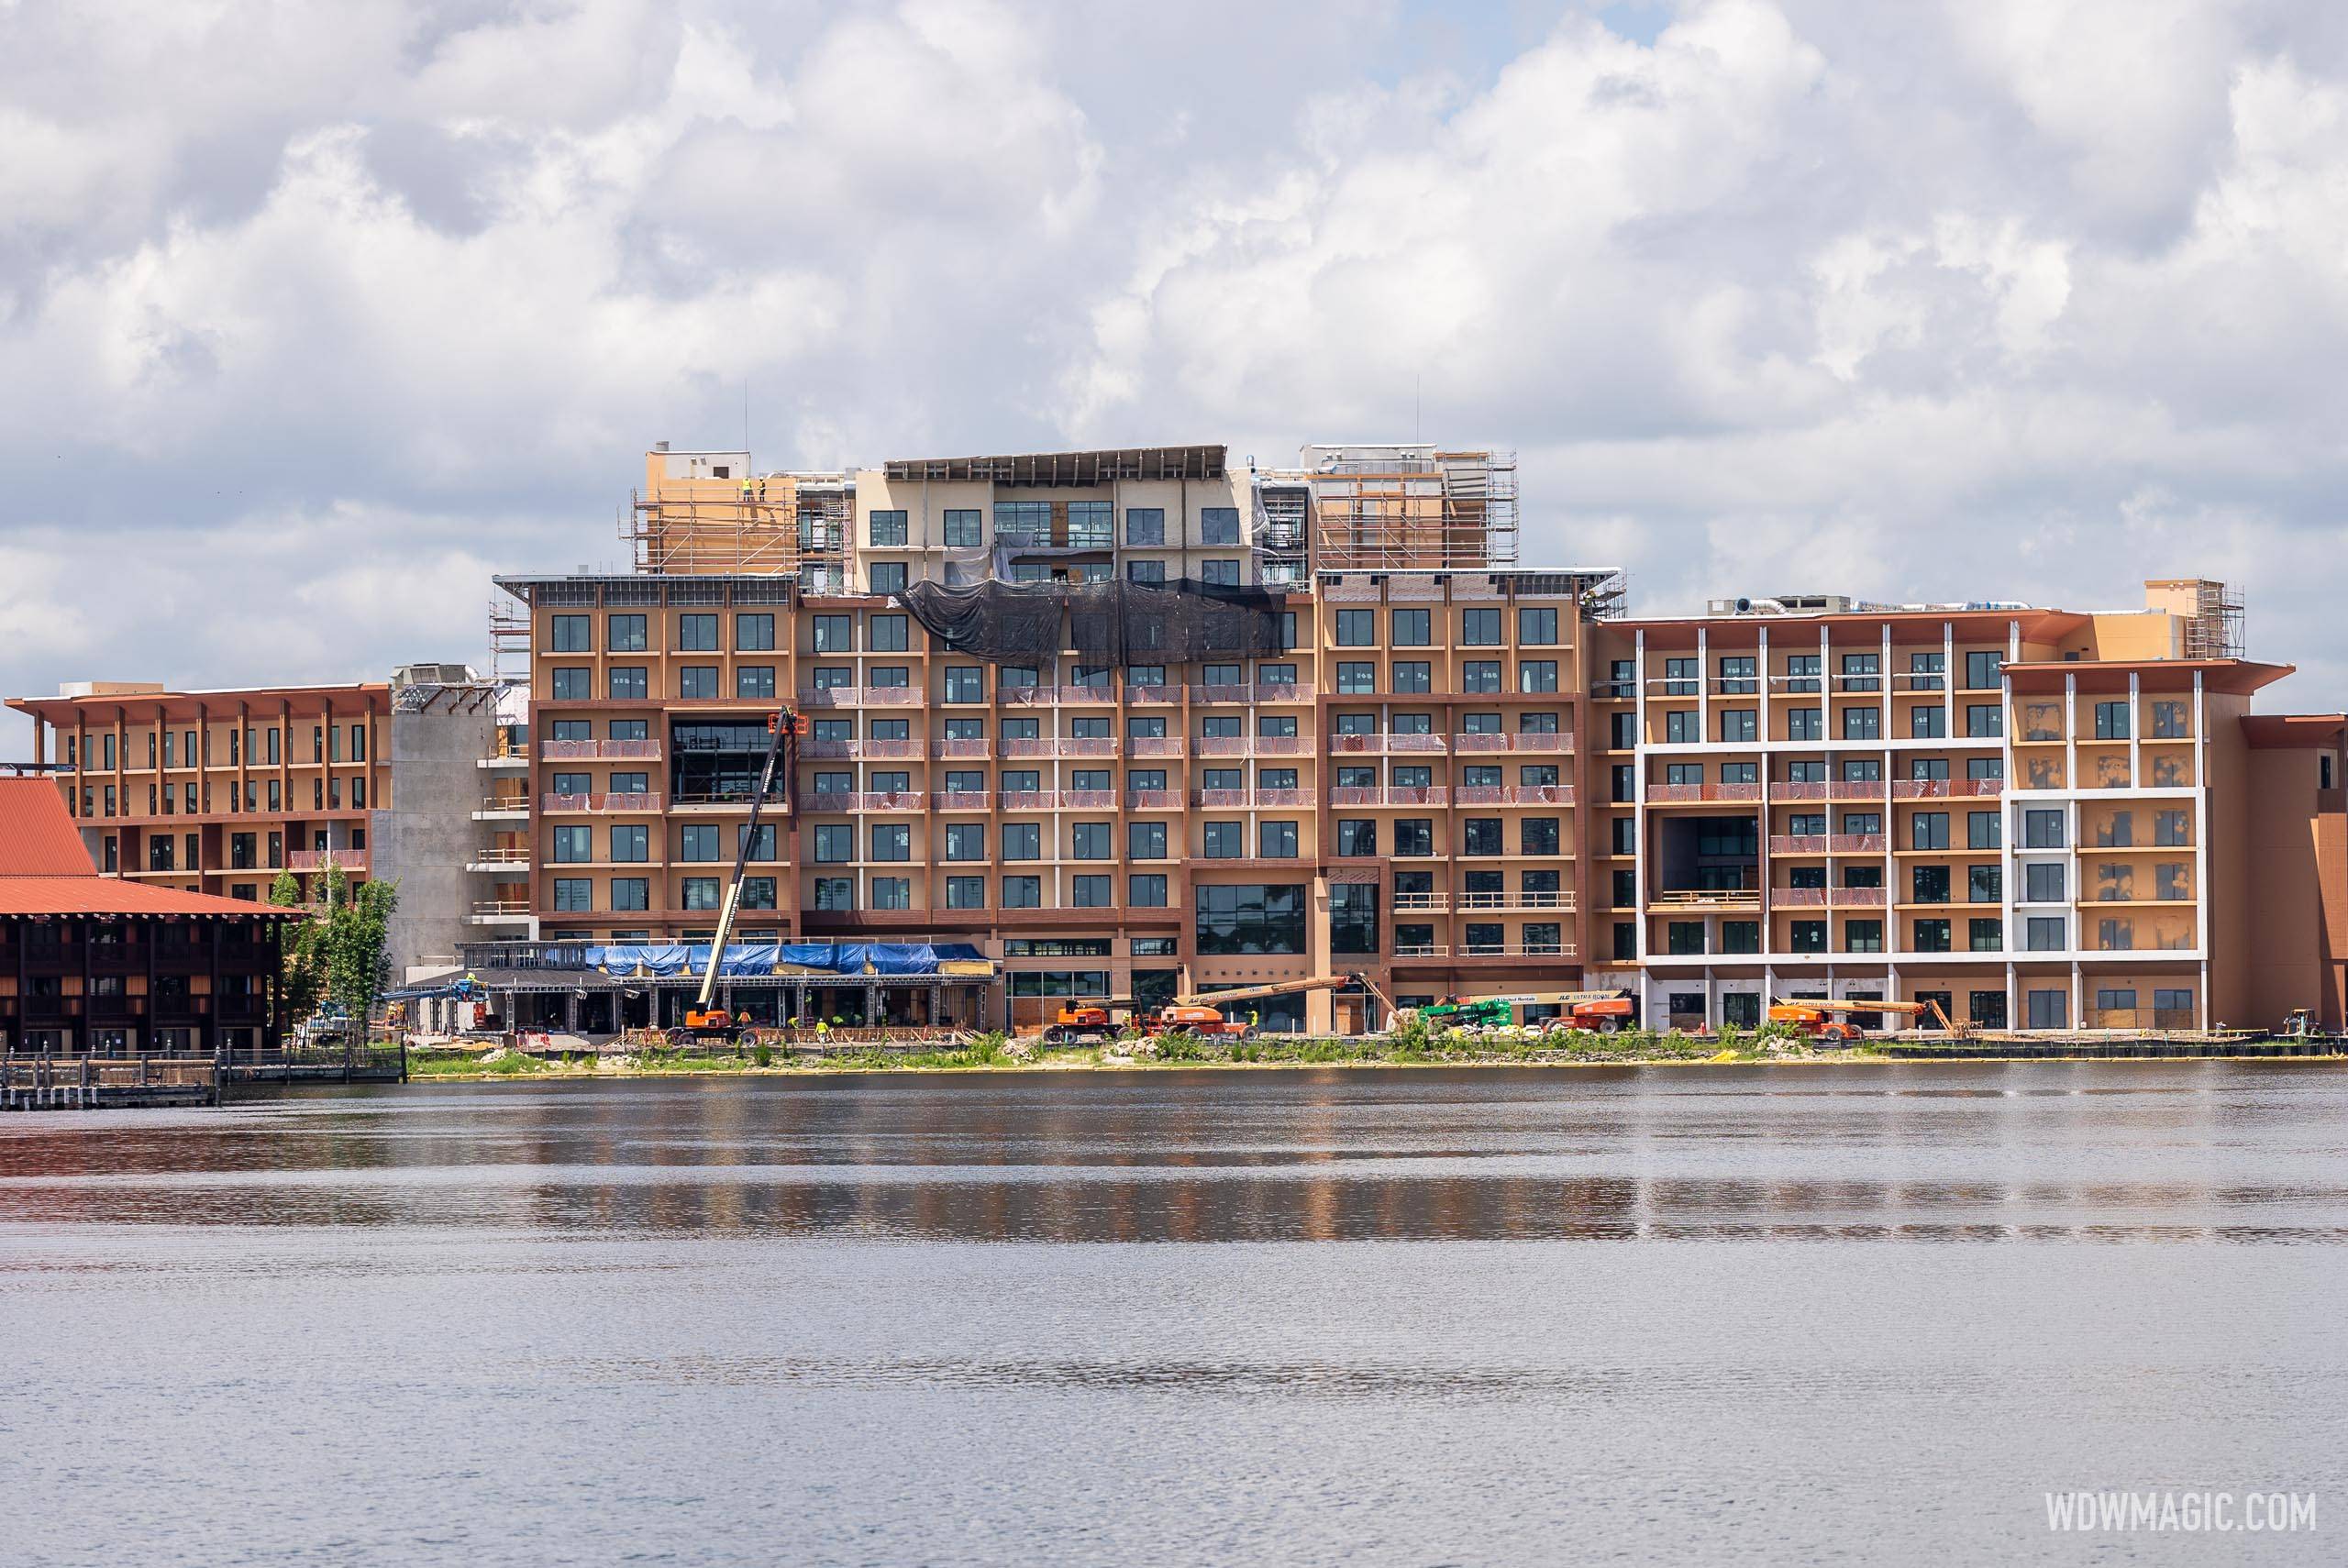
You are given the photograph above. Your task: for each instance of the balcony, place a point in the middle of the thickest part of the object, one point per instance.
(1856, 790)
(1154, 746)
(1385, 744)
(1799, 789)
(1246, 799)
(503, 807)
(872, 750)
(1250, 745)
(1430, 796)
(1944, 789)
(1703, 900)
(1153, 800)
(1856, 843)
(1514, 795)
(1520, 740)
(1797, 844)
(978, 748)
(851, 800)
(502, 859)
(1667, 794)
(860, 696)
(1274, 691)
(1447, 903)
(1514, 951)
(962, 800)
(1138, 694)
(500, 912)
(599, 751)
(317, 859)
(1062, 746)
(649, 801)
(1059, 799)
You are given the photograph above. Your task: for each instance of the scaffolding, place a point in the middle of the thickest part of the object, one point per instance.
(1283, 505)
(1382, 508)
(824, 514)
(2217, 628)
(509, 640)
(714, 525)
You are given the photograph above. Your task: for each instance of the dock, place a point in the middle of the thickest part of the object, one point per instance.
(132, 1081)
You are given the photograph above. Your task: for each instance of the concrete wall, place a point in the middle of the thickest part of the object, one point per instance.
(423, 840)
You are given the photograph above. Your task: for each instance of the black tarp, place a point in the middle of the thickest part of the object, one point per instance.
(1108, 622)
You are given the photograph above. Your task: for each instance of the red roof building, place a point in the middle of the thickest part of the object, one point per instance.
(96, 963)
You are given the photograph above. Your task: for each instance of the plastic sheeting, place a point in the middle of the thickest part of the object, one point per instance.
(664, 960)
(1108, 622)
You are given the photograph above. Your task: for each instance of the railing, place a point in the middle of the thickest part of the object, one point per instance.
(1675, 793)
(1488, 950)
(1027, 696)
(1856, 790)
(1858, 898)
(1513, 795)
(960, 748)
(632, 802)
(859, 696)
(1685, 899)
(1856, 843)
(1062, 746)
(499, 856)
(600, 750)
(962, 800)
(1799, 789)
(1263, 691)
(1380, 745)
(498, 908)
(866, 801)
(874, 750)
(506, 803)
(1153, 800)
(1944, 789)
(1797, 844)
(1517, 901)
(1245, 797)
(1523, 740)
(1427, 795)
(2160, 1018)
(1059, 799)
(1252, 745)
(1153, 693)
(317, 859)
(1798, 898)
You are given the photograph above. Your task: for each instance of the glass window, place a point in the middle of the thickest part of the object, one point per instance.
(568, 633)
(887, 528)
(628, 683)
(1356, 628)
(1536, 625)
(887, 577)
(834, 842)
(625, 634)
(1144, 841)
(572, 894)
(1145, 528)
(1982, 829)
(1222, 574)
(1356, 676)
(754, 634)
(631, 842)
(574, 845)
(1981, 671)
(2111, 721)
(631, 893)
(1412, 628)
(1412, 675)
(966, 892)
(1536, 674)
(2042, 829)
(1218, 524)
(833, 634)
(1925, 671)
(697, 682)
(1225, 841)
(1479, 628)
(1241, 919)
(754, 683)
(1862, 723)
(697, 634)
(1023, 841)
(2042, 933)
(963, 532)
(572, 683)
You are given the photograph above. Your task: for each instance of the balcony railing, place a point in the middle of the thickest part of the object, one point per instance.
(1408, 795)
(1523, 740)
(1856, 843)
(649, 801)
(1153, 800)
(1062, 746)
(1153, 693)
(872, 750)
(1944, 789)
(859, 696)
(1798, 843)
(317, 859)
(1252, 745)
(962, 800)
(1247, 798)
(1680, 793)
(1266, 691)
(1154, 746)
(599, 751)
(1856, 790)
(500, 908)
(978, 747)
(835, 801)
(1514, 795)
(513, 855)
(506, 803)
(1383, 745)
(1486, 950)
(1059, 799)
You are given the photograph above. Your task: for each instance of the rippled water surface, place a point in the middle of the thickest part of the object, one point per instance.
(1789, 1314)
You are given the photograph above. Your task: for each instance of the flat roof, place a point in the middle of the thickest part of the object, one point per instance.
(43, 706)
(1048, 468)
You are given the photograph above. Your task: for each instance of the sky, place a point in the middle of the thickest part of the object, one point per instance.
(313, 317)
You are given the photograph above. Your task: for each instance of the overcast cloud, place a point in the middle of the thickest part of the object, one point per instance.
(314, 317)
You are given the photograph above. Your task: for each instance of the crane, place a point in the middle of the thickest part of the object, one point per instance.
(701, 1020)
(1287, 988)
(1815, 1015)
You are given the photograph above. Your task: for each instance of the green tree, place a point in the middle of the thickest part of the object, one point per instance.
(356, 928)
(302, 976)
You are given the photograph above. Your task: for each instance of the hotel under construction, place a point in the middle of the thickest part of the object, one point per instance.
(1141, 722)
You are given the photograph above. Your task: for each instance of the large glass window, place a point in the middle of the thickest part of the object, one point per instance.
(1218, 524)
(625, 634)
(569, 633)
(1248, 919)
(1146, 527)
(964, 532)
(887, 528)
(754, 634)
(1353, 917)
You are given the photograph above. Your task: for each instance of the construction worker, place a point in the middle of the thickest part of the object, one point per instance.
(749, 491)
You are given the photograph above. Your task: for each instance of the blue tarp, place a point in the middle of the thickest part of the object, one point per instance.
(754, 958)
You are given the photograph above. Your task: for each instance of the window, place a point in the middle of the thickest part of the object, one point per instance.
(1227, 841)
(2166, 1000)
(1146, 891)
(1090, 841)
(1479, 628)
(1353, 917)
(1681, 677)
(2042, 884)
(1928, 830)
(1356, 676)
(1622, 730)
(1804, 723)
(1275, 840)
(631, 893)
(1927, 723)
(890, 634)
(1931, 937)
(1249, 918)
(963, 533)
(886, 530)
(625, 634)
(1862, 723)
(1145, 527)
(574, 845)
(1863, 936)
(1481, 835)
(1536, 627)
(2169, 724)
(572, 683)
(1222, 574)
(1356, 628)
(1736, 936)
(1627, 940)
(2042, 829)
(1412, 628)
(1536, 674)
(565, 633)
(1023, 841)
(1738, 677)
(628, 683)
(1984, 721)
(1539, 835)
(631, 842)
(697, 634)
(1683, 937)
(1984, 884)
(1928, 885)
(573, 893)
(966, 892)
(697, 682)
(834, 893)
(754, 683)
(1861, 670)
(887, 893)
(892, 841)
(1981, 671)
(1925, 671)
(1412, 675)
(1738, 726)
(1807, 825)
(1983, 830)
(1622, 835)
(1414, 836)
(1356, 836)
(2042, 933)
(701, 893)
(1218, 524)
(2049, 1010)
(834, 842)
(886, 577)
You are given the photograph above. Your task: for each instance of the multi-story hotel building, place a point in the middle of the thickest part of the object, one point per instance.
(220, 793)
(2036, 818)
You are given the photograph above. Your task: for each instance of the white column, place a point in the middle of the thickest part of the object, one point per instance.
(1703, 682)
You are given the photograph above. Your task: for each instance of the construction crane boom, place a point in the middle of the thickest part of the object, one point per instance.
(781, 726)
(1285, 987)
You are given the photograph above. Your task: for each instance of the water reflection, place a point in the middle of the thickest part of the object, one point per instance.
(1957, 1153)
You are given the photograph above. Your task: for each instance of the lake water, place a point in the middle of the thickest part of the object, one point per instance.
(1716, 1314)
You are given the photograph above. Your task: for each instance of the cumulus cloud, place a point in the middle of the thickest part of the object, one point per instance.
(314, 318)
